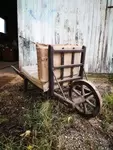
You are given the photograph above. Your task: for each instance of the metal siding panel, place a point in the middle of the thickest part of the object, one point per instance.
(62, 22)
(99, 62)
(109, 53)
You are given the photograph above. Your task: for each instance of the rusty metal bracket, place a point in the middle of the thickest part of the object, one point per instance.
(110, 7)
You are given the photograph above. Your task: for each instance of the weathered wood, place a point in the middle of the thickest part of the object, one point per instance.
(86, 97)
(17, 71)
(25, 85)
(68, 51)
(50, 67)
(68, 66)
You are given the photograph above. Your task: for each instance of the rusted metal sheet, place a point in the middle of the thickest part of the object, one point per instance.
(89, 23)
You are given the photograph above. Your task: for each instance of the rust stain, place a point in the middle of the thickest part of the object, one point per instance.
(77, 27)
(58, 18)
(66, 25)
(57, 38)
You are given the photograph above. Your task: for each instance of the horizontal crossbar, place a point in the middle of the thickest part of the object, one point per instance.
(68, 51)
(68, 66)
(69, 79)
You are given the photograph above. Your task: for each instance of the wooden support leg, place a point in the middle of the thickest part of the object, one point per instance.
(25, 85)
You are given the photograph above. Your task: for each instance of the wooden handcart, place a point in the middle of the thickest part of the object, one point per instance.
(60, 71)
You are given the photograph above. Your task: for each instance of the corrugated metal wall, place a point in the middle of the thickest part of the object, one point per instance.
(109, 47)
(86, 22)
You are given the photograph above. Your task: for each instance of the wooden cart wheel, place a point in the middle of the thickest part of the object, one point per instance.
(86, 98)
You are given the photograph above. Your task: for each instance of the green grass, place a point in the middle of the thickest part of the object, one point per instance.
(108, 99)
(107, 111)
(110, 78)
(44, 128)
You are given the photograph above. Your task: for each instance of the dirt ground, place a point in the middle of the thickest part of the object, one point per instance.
(81, 135)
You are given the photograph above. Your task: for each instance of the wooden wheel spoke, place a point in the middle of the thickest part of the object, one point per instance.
(91, 104)
(75, 91)
(82, 90)
(84, 108)
(88, 94)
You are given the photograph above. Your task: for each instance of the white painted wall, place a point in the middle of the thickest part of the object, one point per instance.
(81, 22)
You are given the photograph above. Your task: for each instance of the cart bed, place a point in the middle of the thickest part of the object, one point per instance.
(31, 73)
(39, 74)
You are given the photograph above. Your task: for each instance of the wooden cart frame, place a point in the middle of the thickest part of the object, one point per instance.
(82, 95)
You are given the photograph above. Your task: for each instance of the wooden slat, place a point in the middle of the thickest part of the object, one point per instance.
(50, 65)
(68, 51)
(68, 66)
(72, 62)
(82, 61)
(68, 79)
(62, 68)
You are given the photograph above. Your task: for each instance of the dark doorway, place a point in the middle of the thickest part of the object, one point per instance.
(8, 12)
